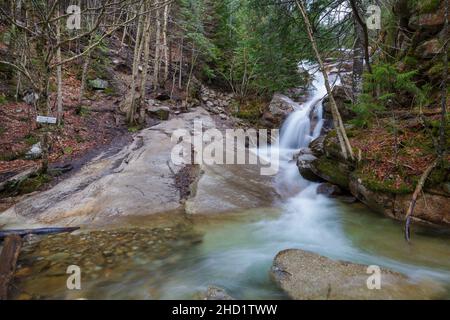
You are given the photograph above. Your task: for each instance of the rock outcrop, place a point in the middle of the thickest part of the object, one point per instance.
(304, 164)
(304, 275)
(137, 181)
(432, 208)
(279, 109)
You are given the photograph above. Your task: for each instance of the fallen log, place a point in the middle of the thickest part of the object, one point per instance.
(41, 231)
(8, 260)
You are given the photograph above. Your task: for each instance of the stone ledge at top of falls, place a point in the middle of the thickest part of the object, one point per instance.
(308, 276)
(137, 181)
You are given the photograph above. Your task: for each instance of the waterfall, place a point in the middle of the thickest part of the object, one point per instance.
(298, 131)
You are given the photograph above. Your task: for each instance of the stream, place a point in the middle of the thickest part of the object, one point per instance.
(178, 257)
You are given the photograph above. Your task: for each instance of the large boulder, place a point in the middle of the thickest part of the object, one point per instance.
(308, 276)
(332, 170)
(160, 113)
(98, 84)
(304, 162)
(279, 109)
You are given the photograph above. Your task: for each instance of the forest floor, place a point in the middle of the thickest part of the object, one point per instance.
(86, 131)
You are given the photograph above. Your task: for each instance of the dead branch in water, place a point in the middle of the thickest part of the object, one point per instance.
(41, 231)
(416, 193)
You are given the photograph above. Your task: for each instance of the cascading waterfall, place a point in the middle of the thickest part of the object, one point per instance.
(297, 131)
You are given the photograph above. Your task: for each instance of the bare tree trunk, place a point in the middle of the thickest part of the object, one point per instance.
(87, 62)
(180, 69)
(358, 61)
(346, 148)
(136, 60)
(365, 33)
(122, 42)
(59, 75)
(146, 35)
(165, 46)
(191, 71)
(157, 47)
(444, 88)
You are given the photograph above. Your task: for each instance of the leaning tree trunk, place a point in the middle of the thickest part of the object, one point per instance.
(346, 148)
(418, 190)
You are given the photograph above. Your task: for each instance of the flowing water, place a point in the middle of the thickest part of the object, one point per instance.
(235, 252)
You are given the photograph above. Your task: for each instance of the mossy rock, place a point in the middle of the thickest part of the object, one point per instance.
(331, 146)
(26, 185)
(33, 183)
(333, 171)
(386, 186)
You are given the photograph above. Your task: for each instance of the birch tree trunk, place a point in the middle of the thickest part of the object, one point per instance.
(358, 61)
(346, 148)
(165, 46)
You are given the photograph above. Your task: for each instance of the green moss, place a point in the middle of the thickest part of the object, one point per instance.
(428, 6)
(250, 110)
(333, 171)
(384, 186)
(83, 111)
(68, 150)
(31, 139)
(134, 129)
(33, 183)
(3, 99)
(110, 91)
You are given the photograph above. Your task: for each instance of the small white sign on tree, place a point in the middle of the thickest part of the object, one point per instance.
(42, 119)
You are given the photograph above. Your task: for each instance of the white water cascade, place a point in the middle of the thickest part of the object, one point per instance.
(298, 131)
